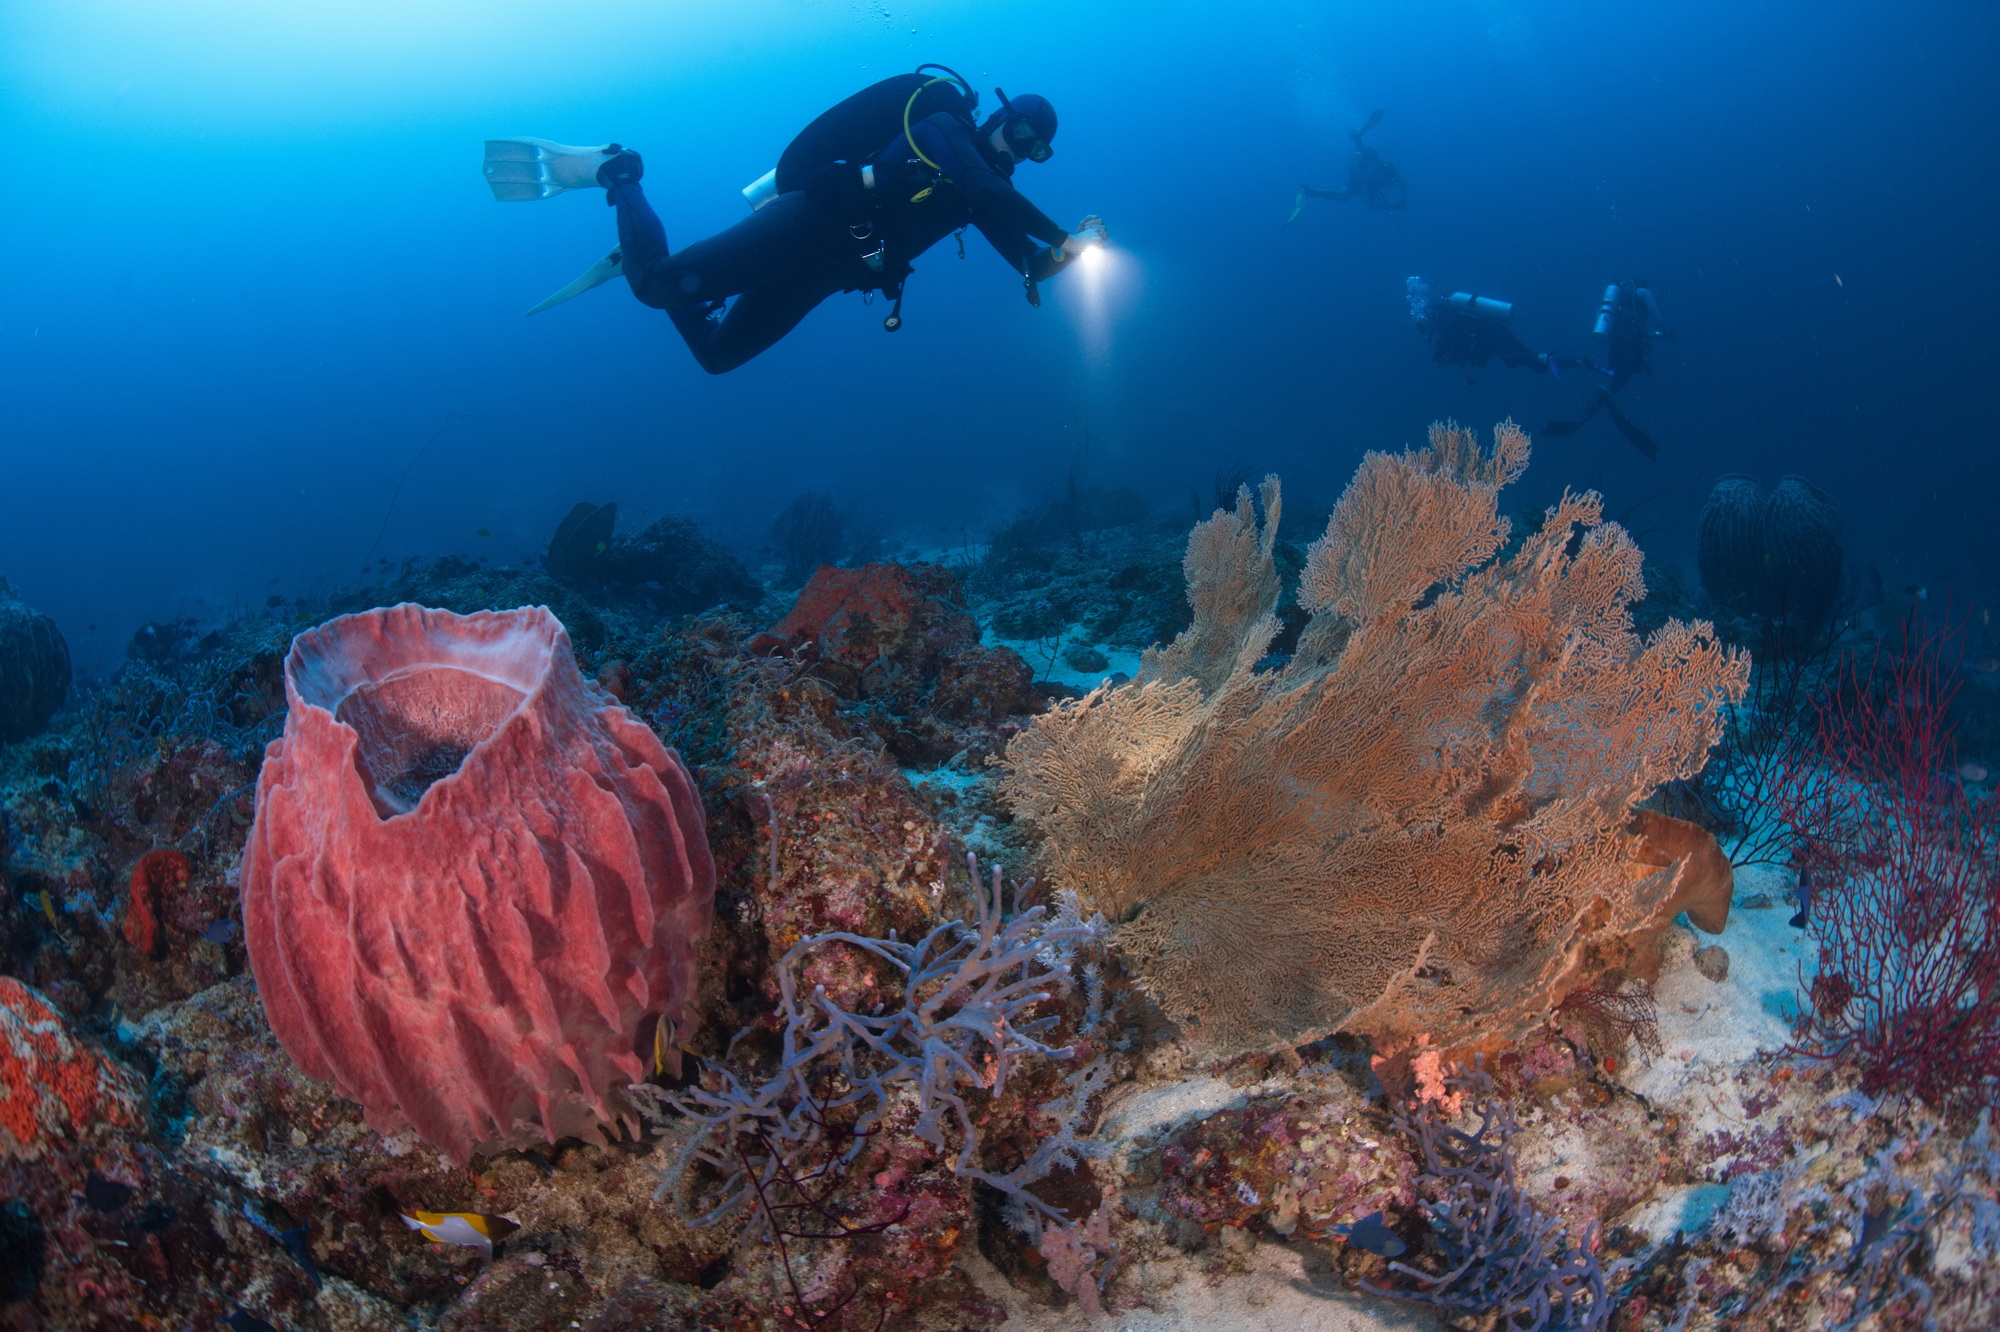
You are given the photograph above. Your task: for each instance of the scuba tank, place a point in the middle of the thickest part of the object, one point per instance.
(1607, 311)
(761, 190)
(1485, 306)
(858, 127)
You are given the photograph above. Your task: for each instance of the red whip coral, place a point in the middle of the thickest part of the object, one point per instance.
(475, 883)
(156, 874)
(48, 1083)
(1898, 884)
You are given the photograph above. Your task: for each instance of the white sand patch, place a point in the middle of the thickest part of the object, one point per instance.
(1685, 1208)
(1147, 1112)
(1048, 665)
(1276, 1294)
(1706, 1024)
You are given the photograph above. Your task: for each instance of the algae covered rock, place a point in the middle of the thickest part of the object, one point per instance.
(34, 667)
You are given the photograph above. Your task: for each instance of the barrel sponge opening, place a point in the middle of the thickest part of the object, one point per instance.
(475, 883)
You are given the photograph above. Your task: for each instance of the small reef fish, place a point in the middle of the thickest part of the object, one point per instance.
(1972, 770)
(1985, 665)
(294, 1240)
(667, 1049)
(220, 931)
(106, 1195)
(245, 1321)
(1369, 1233)
(474, 1230)
(484, 532)
(49, 908)
(1804, 895)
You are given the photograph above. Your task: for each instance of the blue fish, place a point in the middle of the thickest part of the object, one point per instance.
(221, 931)
(1804, 894)
(294, 1241)
(244, 1321)
(1369, 1233)
(106, 1195)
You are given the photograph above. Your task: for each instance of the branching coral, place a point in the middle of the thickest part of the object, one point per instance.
(960, 1025)
(1501, 1256)
(1421, 823)
(1896, 863)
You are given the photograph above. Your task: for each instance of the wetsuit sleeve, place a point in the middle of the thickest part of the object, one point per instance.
(1010, 223)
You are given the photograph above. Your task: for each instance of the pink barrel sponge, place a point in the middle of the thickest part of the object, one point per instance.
(475, 883)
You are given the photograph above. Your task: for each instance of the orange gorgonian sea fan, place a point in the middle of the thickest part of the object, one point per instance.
(1423, 821)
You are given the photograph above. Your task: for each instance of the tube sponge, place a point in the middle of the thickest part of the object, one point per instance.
(475, 883)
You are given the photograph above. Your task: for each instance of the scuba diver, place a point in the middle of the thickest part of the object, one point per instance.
(1628, 320)
(1369, 179)
(863, 190)
(1467, 330)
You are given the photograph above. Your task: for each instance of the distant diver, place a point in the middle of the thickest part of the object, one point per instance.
(863, 190)
(1467, 330)
(1628, 320)
(1369, 179)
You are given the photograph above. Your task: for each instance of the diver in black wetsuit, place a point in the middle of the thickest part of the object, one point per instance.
(1466, 330)
(853, 226)
(1369, 179)
(1628, 320)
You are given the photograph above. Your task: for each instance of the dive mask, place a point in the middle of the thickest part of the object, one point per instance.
(1024, 141)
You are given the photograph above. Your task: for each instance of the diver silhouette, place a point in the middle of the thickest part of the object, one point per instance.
(1369, 179)
(1628, 321)
(861, 192)
(1467, 330)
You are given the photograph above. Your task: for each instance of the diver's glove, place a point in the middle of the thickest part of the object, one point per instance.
(624, 168)
(1088, 232)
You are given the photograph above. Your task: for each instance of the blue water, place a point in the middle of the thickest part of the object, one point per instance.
(251, 268)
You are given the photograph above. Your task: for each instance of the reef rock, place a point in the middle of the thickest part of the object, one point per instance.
(475, 884)
(34, 667)
(671, 567)
(899, 637)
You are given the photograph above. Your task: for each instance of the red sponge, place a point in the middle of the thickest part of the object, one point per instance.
(475, 882)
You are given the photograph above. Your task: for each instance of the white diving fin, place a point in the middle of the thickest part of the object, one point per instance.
(524, 170)
(599, 273)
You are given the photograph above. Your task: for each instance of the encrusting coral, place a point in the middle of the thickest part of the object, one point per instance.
(1422, 822)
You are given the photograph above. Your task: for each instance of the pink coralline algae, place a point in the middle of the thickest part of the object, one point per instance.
(475, 884)
(49, 1084)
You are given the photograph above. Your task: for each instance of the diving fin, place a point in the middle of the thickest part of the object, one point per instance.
(599, 273)
(1298, 206)
(1557, 429)
(523, 170)
(1640, 439)
(1373, 121)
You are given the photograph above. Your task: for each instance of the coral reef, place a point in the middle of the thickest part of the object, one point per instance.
(1430, 799)
(34, 667)
(941, 1106)
(449, 789)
